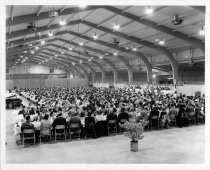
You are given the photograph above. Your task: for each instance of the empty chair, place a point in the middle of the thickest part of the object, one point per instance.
(45, 132)
(29, 134)
(74, 129)
(112, 124)
(59, 131)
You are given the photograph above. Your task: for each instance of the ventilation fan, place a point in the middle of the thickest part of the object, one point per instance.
(177, 20)
(32, 27)
(116, 42)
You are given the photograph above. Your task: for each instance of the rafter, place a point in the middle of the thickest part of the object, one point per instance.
(45, 15)
(195, 42)
(39, 10)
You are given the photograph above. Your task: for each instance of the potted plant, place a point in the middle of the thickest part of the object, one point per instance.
(134, 131)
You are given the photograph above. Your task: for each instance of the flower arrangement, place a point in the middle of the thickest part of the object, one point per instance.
(134, 130)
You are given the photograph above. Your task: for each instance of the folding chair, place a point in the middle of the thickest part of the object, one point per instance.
(45, 132)
(29, 134)
(112, 124)
(88, 128)
(60, 130)
(74, 129)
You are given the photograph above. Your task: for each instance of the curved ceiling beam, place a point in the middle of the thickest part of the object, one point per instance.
(137, 54)
(91, 70)
(103, 72)
(114, 69)
(69, 61)
(129, 68)
(195, 42)
(84, 71)
(45, 15)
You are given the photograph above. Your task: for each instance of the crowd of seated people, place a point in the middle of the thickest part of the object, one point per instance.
(66, 106)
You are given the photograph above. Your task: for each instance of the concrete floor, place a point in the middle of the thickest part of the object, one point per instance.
(169, 146)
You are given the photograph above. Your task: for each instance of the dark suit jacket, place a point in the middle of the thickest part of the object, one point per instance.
(111, 116)
(26, 125)
(75, 119)
(59, 121)
(123, 115)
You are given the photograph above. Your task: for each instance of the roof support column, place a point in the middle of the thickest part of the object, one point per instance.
(103, 72)
(114, 69)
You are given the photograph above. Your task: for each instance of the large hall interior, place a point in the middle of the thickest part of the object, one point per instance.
(105, 84)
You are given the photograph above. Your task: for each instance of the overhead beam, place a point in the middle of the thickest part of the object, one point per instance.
(45, 15)
(195, 42)
(103, 72)
(39, 10)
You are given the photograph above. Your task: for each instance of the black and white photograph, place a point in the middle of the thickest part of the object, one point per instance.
(113, 85)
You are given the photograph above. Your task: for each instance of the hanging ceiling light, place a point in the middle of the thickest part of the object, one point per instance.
(116, 26)
(101, 57)
(134, 48)
(161, 41)
(149, 10)
(21, 56)
(156, 40)
(73, 63)
(202, 31)
(95, 36)
(115, 53)
(32, 52)
(80, 61)
(42, 41)
(89, 59)
(36, 48)
(25, 52)
(70, 48)
(56, 55)
(153, 75)
(127, 48)
(50, 34)
(81, 43)
(62, 21)
(62, 51)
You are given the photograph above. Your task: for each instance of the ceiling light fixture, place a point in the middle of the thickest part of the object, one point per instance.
(101, 57)
(32, 52)
(134, 48)
(89, 59)
(36, 48)
(50, 34)
(70, 48)
(153, 75)
(21, 56)
(80, 61)
(62, 21)
(202, 31)
(81, 43)
(161, 42)
(149, 10)
(62, 51)
(56, 55)
(95, 36)
(115, 53)
(42, 41)
(73, 63)
(116, 26)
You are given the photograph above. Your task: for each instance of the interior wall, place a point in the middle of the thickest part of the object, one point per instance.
(41, 83)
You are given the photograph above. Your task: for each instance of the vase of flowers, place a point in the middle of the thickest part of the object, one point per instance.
(134, 131)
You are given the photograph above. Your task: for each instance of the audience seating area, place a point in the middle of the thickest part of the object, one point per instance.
(74, 113)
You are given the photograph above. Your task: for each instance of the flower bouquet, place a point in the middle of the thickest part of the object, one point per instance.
(134, 131)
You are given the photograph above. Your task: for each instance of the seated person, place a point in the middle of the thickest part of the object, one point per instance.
(112, 115)
(45, 123)
(89, 119)
(99, 116)
(122, 115)
(59, 121)
(75, 118)
(26, 125)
